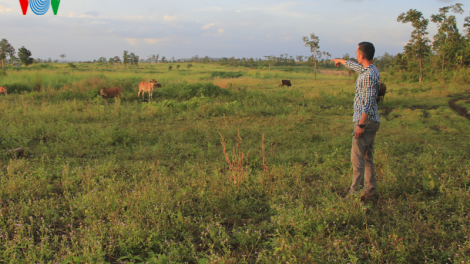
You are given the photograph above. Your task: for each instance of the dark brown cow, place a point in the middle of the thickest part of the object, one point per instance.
(382, 92)
(156, 85)
(3, 89)
(285, 82)
(113, 92)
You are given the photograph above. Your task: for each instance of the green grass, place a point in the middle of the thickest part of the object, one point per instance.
(150, 182)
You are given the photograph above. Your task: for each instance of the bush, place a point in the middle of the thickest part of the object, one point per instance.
(18, 88)
(186, 91)
(222, 74)
(461, 77)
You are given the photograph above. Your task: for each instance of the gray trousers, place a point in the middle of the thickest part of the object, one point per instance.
(362, 159)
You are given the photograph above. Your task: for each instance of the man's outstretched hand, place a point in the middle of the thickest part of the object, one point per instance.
(338, 62)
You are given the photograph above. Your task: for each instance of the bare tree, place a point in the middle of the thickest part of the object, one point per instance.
(314, 45)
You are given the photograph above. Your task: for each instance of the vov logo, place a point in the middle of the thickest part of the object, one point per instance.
(39, 7)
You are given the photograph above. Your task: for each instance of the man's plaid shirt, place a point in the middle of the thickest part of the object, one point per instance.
(367, 89)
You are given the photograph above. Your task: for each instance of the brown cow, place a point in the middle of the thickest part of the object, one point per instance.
(285, 82)
(3, 89)
(113, 92)
(382, 92)
(146, 87)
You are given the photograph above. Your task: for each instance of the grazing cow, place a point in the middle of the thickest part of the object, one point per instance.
(3, 89)
(146, 87)
(156, 85)
(382, 92)
(113, 92)
(285, 82)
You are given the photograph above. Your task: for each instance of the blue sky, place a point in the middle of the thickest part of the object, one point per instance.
(87, 30)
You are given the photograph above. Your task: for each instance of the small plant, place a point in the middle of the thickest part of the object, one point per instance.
(178, 67)
(238, 162)
(189, 66)
(71, 65)
(170, 67)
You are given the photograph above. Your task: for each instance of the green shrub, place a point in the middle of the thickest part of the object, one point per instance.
(223, 74)
(186, 91)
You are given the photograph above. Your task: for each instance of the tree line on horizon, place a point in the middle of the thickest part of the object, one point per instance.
(443, 57)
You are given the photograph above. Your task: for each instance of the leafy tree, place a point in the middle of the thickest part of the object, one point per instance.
(466, 25)
(448, 40)
(189, 65)
(314, 45)
(6, 49)
(116, 59)
(271, 60)
(133, 59)
(153, 58)
(170, 67)
(102, 60)
(25, 56)
(163, 60)
(178, 67)
(417, 47)
(383, 62)
(125, 57)
(62, 56)
(465, 59)
(251, 62)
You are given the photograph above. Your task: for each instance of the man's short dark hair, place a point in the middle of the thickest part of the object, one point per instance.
(367, 49)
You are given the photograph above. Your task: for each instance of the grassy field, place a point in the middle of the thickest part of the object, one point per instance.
(224, 166)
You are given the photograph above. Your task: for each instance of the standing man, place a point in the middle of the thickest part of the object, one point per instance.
(366, 120)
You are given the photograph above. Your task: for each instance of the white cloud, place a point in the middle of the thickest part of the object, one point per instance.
(170, 18)
(4, 7)
(136, 18)
(157, 40)
(132, 41)
(208, 26)
(287, 38)
(220, 31)
(90, 14)
(282, 9)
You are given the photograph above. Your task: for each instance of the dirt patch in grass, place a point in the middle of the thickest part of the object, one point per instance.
(459, 109)
(421, 107)
(386, 110)
(333, 72)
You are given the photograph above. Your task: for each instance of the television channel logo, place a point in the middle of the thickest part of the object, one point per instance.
(39, 7)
